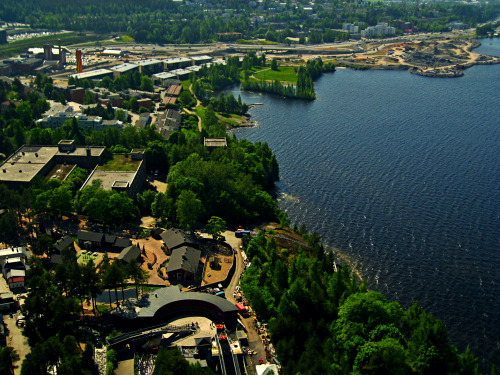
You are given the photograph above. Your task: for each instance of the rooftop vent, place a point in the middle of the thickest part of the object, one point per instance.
(5, 171)
(36, 154)
(20, 171)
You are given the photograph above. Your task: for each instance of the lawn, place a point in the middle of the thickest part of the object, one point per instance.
(283, 74)
(122, 163)
(84, 258)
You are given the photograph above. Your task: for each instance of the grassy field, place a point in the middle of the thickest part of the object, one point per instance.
(20, 46)
(283, 74)
(120, 163)
(83, 258)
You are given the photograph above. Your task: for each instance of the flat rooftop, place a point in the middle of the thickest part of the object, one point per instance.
(164, 75)
(27, 162)
(111, 178)
(91, 73)
(202, 58)
(124, 67)
(147, 62)
(180, 72)
(193, 68)
(172, 60)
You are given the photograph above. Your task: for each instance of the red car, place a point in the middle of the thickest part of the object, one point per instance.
(261, 361)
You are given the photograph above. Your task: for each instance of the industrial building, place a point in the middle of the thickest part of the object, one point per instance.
(125, 68)
(29, 162)
(200, 60)
(163, 77)
(93, 74)
(181, 74)
(177, 62)
(149, 66)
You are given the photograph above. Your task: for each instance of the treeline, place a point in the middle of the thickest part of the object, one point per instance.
(156, 21)
(130, 80)
(305, 77)
(275, 88)
(323, 321)
(19, 118)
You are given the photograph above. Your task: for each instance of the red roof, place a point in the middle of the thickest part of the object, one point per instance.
(16, 279)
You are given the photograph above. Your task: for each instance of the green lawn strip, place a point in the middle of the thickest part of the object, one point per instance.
(19, 46)
(120, 163)
(283, 74)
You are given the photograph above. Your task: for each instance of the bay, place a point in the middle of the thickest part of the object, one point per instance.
(402, 174)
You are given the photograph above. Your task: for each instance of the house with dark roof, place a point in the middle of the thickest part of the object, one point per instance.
(121, 243)
(174, 238)
(90, 240)
(183, 263)
(63, 243)
(129, 253)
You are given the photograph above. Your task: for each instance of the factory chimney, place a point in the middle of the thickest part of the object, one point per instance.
(79, 66)
(47, 51)
(62, 54)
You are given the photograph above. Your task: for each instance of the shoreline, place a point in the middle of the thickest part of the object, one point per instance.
(444, 58)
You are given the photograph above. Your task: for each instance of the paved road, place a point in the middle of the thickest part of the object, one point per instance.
(254, 340)
(17, 341)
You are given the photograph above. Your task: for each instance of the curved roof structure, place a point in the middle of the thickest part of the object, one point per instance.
(171, 297)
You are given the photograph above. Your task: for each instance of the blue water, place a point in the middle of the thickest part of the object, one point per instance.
(402, 173)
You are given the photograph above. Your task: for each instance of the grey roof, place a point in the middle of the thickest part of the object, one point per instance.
(124, 67)
(147, 62)
(164, 296)
(129, 253)
(109, 238)
(174, 238)
(184, 258)
(90, 236)
(122, 242)
(91, 73)
(63, 243)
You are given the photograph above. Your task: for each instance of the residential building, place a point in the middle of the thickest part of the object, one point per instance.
(174, 238)
(183, 264)
(129, 253)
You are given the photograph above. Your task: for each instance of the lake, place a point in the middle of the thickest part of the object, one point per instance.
(402, 174)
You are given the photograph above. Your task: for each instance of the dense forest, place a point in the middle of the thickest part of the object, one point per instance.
(323, 321)
(157, 21)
